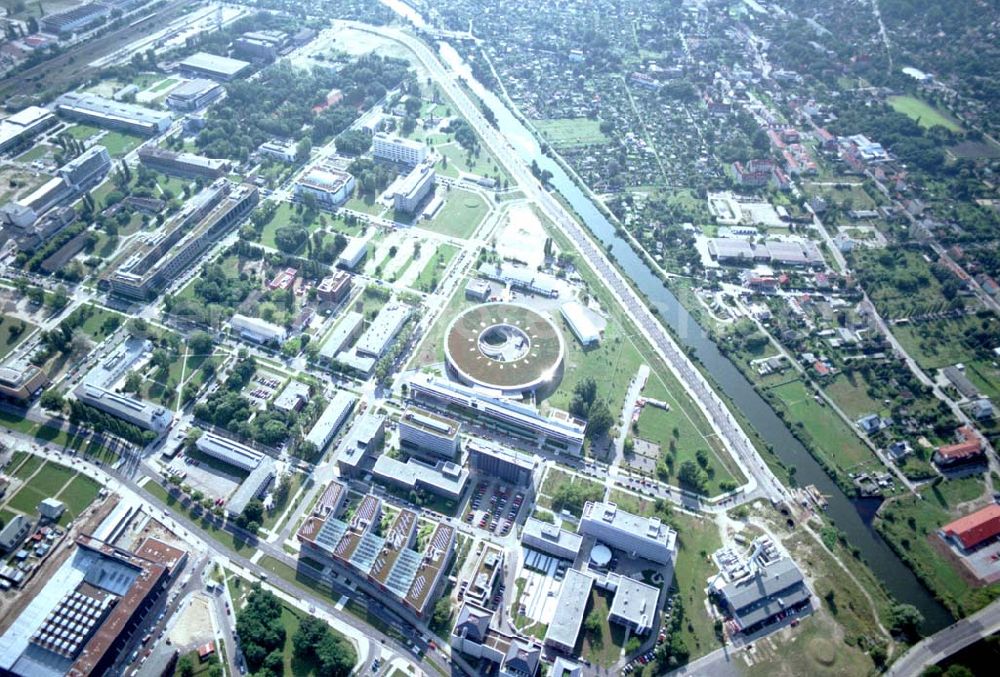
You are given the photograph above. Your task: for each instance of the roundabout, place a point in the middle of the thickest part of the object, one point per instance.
(506, 347)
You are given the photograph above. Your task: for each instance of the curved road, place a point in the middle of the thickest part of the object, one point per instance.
(948, 641)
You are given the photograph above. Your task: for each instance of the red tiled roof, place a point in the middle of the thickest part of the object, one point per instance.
(960, 450)
(973, 529)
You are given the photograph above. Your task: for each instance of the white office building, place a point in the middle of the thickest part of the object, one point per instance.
(146, 415)
(396, 149)
(331, 419)
(645, 537)
(411, 190)
(550, 539)
(256, 329)
(353, 253)
(422, 430)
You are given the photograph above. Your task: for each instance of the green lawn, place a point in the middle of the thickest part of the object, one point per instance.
(77, 495)
(429, 277)
(119, 144)
(12, 332)
(51, 478)
(220, 535)
(835, 441)
(458, 161)
(163, 84)
(571, 132)
(37, 152)
(923, 113)
(97, 325)
(853, 397)
(28, 467)
(81, 132)
(604, 646)
(460, 216)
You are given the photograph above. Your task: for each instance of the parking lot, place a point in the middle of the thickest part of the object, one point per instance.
(493, 507)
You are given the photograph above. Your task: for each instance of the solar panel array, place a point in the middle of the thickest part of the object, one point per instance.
(70, 624)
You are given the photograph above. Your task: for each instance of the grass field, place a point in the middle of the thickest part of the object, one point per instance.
(10, 339)
(853, 397)
(38, 151)
(604, 646)
(78, 494)
(460, 216)
(923, 113)
(119, 144)
(429, 277)
(571, 132)
(831, 436)
(81, 132)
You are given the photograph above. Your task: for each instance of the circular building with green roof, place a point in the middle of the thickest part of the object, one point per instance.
(506, 347)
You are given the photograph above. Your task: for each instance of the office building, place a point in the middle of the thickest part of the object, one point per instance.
(379, 336)
(24, 125)
(353, 253)
(396, 149)
(411, 190)
(329, 422)
(292, 397)
(334, 288)
(551, 540)
(260, 45)
(493, 460)
(444, 478)
(280, 150)
(423, 431)
(261, 468)
(53, 192)
(155, 259)
(87, 169)
(184, 165)
(146, 415)
(207, 65)
(90, 609)
(478, 290)
(757, 600)
(75, 19)
(637, 536)
(194, 94)
(513, 656)
(342, 336)
(561, 434)
(365, 436)
(21, 381)
(634, 604)
(331, 187)
(573, 597)
(112, 114)
(387, 567)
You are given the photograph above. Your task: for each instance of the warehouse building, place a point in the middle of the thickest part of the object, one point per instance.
(645, 537)
(330, 186)
(444, 478)
(207, 65)
(377, 339)
(112, 114)
(411, 190)
(581, 323)
(75, 19)
(185, 165)
(975, 530)
(491, 459)
(550, 539)
(257, 330)
(22, 126)
(336, 412)
(146, 415)
(423, 431)
(396, 149)
(194, 94)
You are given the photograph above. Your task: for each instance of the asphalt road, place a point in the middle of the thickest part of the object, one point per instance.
(948, 641)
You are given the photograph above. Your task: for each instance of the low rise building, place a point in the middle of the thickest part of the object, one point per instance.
(212, 66)
(146, 415)
(279, 150)
(292, 397)
(353, 253)
(551, 540)
(513, 656)
(634, 604)
(581, 323)
(574, 594)
(112, 114)
(343, 335)
(257, 330)
(13, 532)
(329, 422)
(194, 94)
(444, 478)
(967, 450)
(758, 599)
(975, 530)
(21, 382)
(330, 187)
(380, 335)
(260, 466)
(71, 20)
(87, 169)
(493, 460)
(260, 45)
(478, 290)
(521, 278)
(51, 508)
(185, 165)
(334, 288)
(17, 129)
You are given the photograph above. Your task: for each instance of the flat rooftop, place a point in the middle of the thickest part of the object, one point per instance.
(573, 597)
(429, 422)
(222, 65)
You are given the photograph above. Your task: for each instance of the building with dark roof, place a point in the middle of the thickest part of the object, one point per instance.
(757, 600)
(185, 165)
(975, 530)
(514, 656)
(72, 20)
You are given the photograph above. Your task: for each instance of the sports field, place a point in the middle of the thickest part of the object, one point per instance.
(926, 115)
(571, 132)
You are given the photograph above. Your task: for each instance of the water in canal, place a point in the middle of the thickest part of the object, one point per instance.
(898, 578)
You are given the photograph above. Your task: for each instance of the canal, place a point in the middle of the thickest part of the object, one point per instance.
(896, 576)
